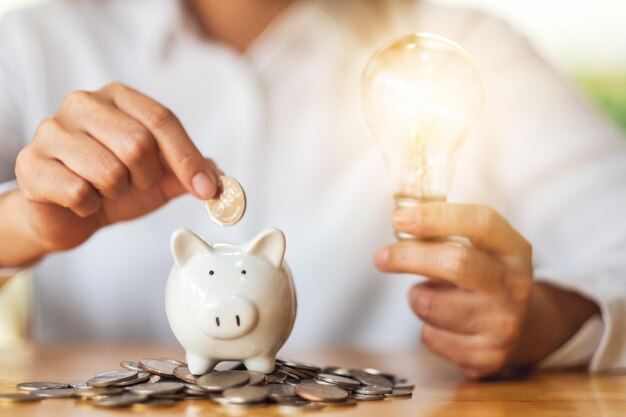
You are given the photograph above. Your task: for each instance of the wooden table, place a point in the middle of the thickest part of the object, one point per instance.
(439, 389)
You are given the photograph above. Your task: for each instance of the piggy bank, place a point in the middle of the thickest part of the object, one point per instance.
(230, 302)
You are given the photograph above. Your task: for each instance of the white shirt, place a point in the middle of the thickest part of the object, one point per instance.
(284, 119)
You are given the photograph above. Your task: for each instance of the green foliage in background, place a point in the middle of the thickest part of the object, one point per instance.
(609, 93)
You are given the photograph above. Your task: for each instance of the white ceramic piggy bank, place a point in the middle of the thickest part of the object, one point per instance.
(230, 302)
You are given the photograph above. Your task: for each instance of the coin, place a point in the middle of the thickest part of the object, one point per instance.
(157, 388)
(363, 397)
(313, 391)
(278, 392)
(230, 204)
(141, 377)
(92, 392)
(131, 365)
(299, 365)
(245, 395)
(104, 379)
(399, 393)
(162, 367)
(182, 373)
(372, 390)
(56, 393)
(404, 386)
(117, 401)
(256, 377)
(366, 378)
(34, 386)
(18, 398)
(340, 381)
(219, 381)
(374, 371)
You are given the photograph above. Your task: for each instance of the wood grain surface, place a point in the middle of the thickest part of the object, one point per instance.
(439, 389)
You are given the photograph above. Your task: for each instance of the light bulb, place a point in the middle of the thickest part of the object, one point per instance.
(421, 95)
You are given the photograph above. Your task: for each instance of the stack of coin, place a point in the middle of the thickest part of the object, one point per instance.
(162, 382)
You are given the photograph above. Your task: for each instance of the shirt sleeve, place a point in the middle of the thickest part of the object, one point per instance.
(11, 91)
(557, 170)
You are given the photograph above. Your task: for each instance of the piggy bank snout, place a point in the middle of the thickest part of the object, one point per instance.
(229, 317)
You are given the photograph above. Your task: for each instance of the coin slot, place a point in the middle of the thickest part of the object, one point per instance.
(238, 321)
(217, 321)
(243, 272)
(211, 272)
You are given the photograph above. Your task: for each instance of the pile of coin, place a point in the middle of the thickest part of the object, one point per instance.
(161, 382)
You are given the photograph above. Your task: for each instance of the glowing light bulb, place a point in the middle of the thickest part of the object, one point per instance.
(421, 95)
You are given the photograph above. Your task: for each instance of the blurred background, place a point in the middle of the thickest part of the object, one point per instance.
(585, 40)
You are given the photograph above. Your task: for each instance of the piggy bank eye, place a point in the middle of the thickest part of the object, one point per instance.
(243, 272)
(211, 272)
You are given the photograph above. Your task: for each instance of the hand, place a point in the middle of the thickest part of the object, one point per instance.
(106, 156)
(475, 304)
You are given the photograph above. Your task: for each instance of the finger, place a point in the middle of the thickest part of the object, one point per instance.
(465, 351)
(461, 265)
(49, 181)
(177, 148)
(484, 227)
(449, 308)
(144, 201)
(131, 142)
(85, 157)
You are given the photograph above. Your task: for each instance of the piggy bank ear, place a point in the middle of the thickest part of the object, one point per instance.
(185, 244)
(270, 244)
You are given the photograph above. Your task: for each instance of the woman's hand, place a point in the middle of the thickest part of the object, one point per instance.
(106, 156)
(476, 302)
(480, 307)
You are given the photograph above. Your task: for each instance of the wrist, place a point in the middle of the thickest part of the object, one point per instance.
(553, 317)
(19, 245)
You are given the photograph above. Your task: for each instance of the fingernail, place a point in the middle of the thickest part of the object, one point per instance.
(381, 256)
(403, 217)
(203, 185)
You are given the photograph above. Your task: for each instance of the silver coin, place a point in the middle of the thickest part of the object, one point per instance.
(117, 401)
(313, 391)
(174, 361)
(228, 366)
(56, 393)
(338, 380)
(337, 371)
(219, 381)
(78, 385)
(154, 378)
(229, 205)
(21, 397)
(371, 379)
(372, 390)
(131, 365)
(362, 397)
(276, 378)
(162, 367)
(141, 377)
(182, 373)
(299, 365)
(404, 386)
(104, 379)
(35, 386)
(157, 388)
(399, 393)
(256, 378)
(374, 371)
(245, 395)
(91, 392)
(279, 392)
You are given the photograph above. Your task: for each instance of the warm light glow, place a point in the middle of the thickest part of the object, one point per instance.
(421, 96)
